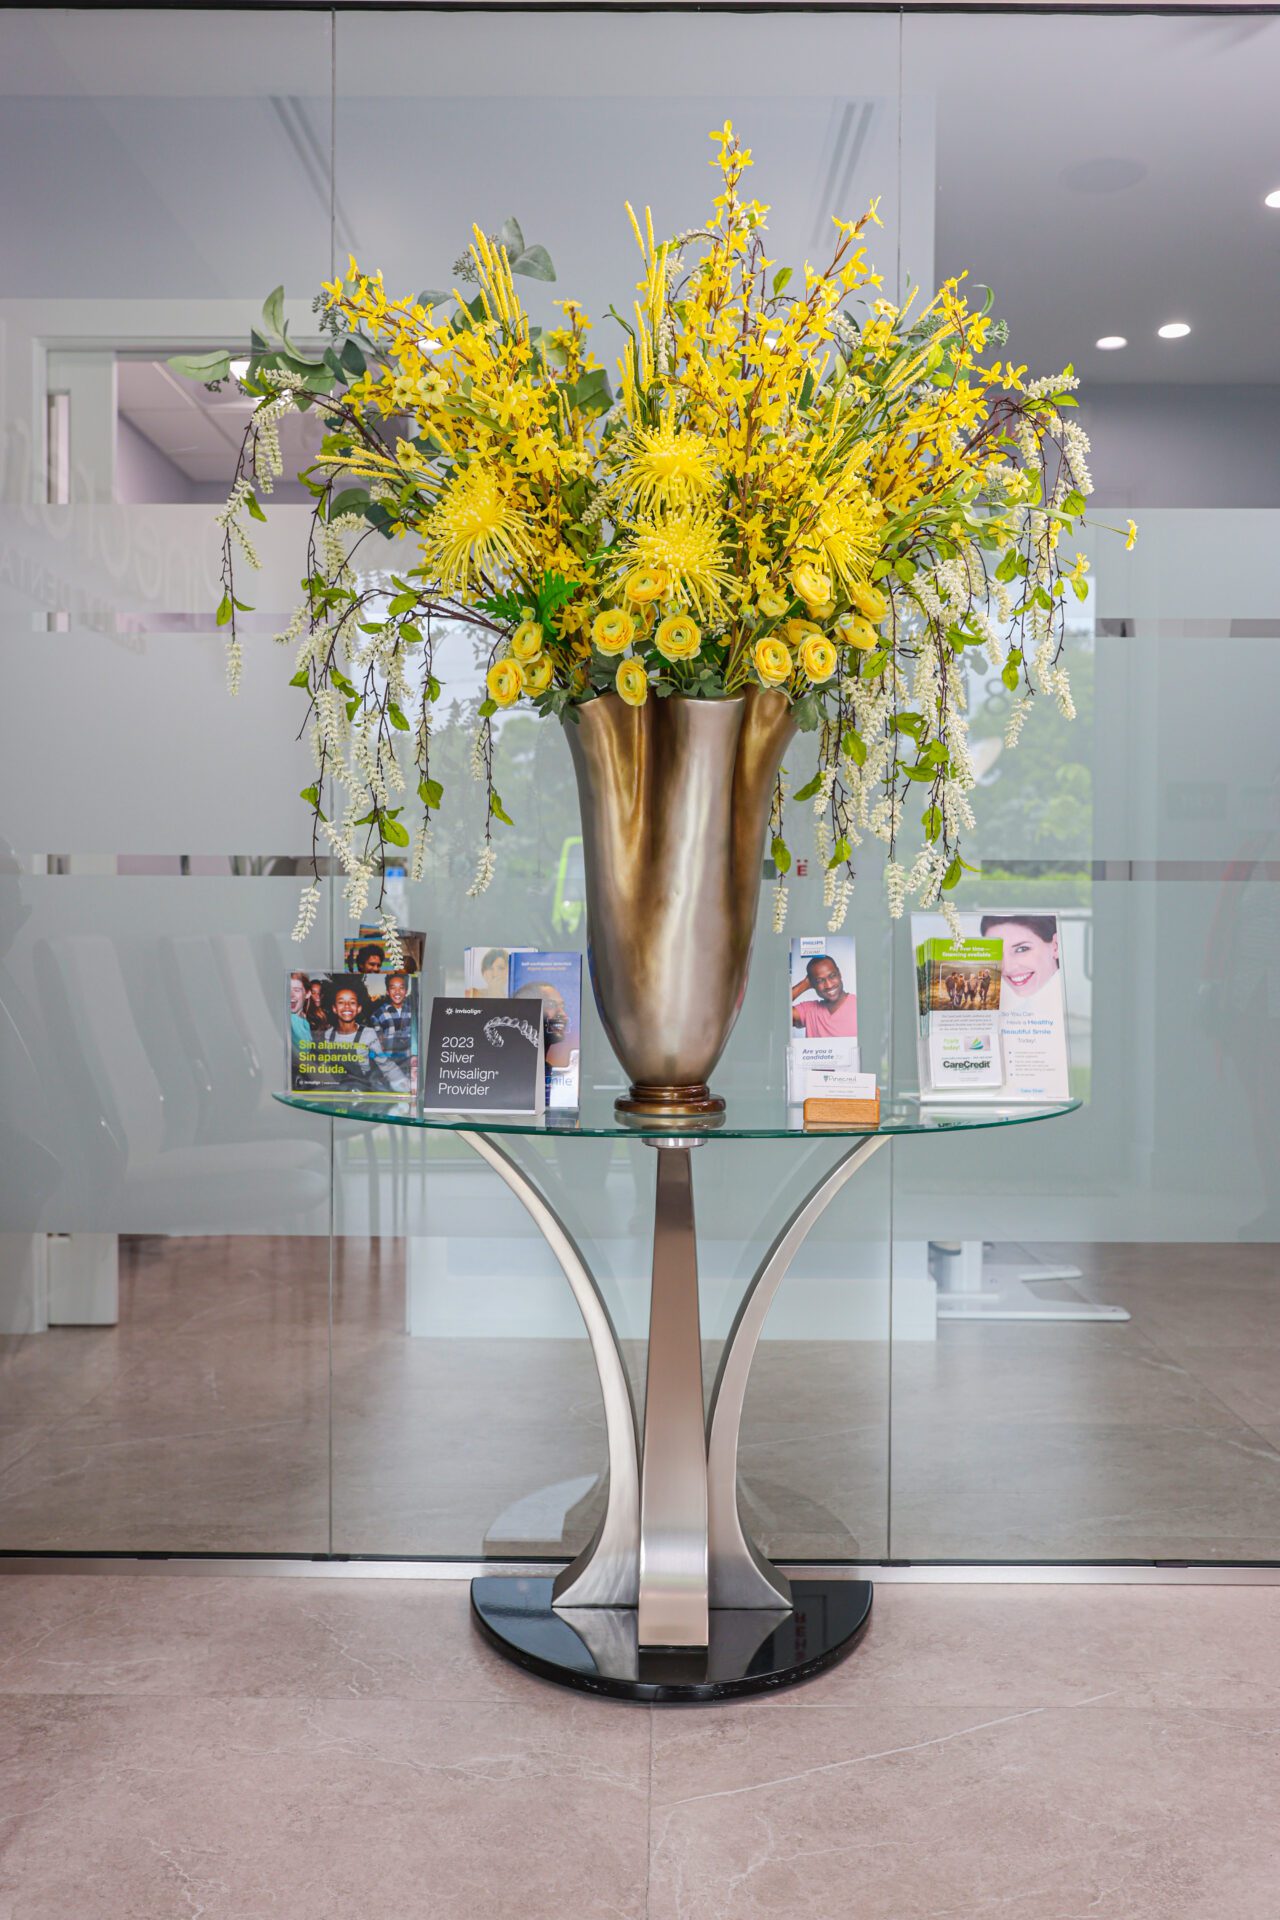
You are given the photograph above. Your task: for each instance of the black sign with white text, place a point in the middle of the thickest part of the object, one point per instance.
(486, 1055)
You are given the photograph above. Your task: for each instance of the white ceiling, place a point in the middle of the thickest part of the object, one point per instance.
(1103, 174)
(199, 431)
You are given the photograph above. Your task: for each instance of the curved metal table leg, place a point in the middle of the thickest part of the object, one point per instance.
(607, 1572)
(740, 1575)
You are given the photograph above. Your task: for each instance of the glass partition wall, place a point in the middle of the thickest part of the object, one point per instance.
(225, 1327)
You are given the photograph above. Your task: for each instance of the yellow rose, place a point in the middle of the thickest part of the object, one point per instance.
(505, 681)
(646, 583)
(678, 637)
(773, 661)
(632, 682)
(818, 658)
(526, 641)
(869, 601)
(854, 631)
(812, 583)
(772, 605)
(536, 674)
(613, 631)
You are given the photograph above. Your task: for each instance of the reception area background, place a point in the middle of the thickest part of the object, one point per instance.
(227, 1328)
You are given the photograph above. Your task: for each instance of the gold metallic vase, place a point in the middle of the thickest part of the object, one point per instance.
(675, 801)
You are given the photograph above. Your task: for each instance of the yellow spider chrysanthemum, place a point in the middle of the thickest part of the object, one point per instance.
(868, 600)
(536, 674)
(846, 534)
(505, 682)
(643, 584)
(613, 630)
(689, 547)
(476, 528)
(678, 637)
(818, 658)
(665, 466)
(526, 641)
(773, 661)
(812, 583)
(854, 631)
(632, 682)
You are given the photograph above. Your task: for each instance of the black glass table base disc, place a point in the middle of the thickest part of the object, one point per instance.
(594, 1648)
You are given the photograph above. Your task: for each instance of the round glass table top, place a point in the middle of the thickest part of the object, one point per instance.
(747, 1116)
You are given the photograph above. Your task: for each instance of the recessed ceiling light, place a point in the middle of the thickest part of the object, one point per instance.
(1173, 330)
(1110, 341)
(1272, 199)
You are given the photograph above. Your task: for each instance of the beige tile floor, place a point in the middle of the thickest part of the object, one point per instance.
(202, 1422)
(276, 1748)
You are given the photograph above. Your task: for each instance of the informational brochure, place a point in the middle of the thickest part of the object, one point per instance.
(822, 1014)
(486, 972)
(965, 986)
(366, 951)
(484, 1055)
(556, 980)
(353, 1033)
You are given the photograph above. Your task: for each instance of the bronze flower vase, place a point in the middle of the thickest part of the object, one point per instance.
(675, 799)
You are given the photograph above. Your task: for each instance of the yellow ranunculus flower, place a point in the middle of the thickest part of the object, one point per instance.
(678, 637)
(773, 661)
(796, 632)
(536, 674)
(526, 641)
(614, 630)
(646, 583)
(812, 582)
(505, 681)
(772, 605)
(823, 611)
(632, 682)
(818, 658)
(854, 631)
(869, 601)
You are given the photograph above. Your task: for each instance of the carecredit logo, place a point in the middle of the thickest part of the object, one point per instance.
(965, 1066)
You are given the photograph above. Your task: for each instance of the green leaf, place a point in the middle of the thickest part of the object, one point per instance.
(499, 812)
(351, 500)
(403, 603)
(855, 747)
(411, 635)
(1008, 566)
(841, 852)
(923, 771)
(224, 610)
(590, 391)
(1081, 589)
(510, 237)
(206, 367)
(781, 279)
(781, 853)
(535, 264)
(311, 795)
(255, 511)
(486, 708)
(1009, 674)
(874, 663)
(932, 822)
(1074, 502)
(273, 314)
(905, 570)
(397, 718)
(430, 792)
(351, 359)
(301, 679)
(951, 877)
(807, 791)
(432, 297)
(394, 832)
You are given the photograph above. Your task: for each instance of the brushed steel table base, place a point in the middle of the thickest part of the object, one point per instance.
(672, 1599)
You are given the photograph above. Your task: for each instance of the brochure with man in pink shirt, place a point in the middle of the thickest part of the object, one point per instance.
(824, 1005)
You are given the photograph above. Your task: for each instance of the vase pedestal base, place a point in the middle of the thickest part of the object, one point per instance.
(595, 1649)
(694, 1101)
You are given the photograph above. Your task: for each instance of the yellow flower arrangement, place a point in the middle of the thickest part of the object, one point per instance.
(773, 662)
(632, 682)
(526, 641)
(614, 630)
(677, 637)
(797, 485)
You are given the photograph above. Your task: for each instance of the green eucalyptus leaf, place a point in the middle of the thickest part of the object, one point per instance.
(510, 237)
(205, 367)
(535, 264)
(273, 314)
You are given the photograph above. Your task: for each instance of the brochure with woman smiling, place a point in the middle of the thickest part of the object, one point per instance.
(1032, 1002)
